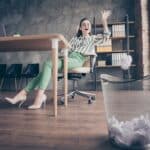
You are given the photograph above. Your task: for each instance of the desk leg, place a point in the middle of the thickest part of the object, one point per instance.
(66, 76)
(55, 72)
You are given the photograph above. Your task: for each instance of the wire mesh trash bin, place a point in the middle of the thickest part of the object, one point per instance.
(127, 107)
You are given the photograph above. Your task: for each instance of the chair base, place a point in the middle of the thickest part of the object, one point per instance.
(90, 96)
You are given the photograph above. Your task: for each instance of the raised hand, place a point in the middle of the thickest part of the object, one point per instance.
(105, 14)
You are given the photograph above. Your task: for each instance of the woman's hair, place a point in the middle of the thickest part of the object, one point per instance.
(79, 33)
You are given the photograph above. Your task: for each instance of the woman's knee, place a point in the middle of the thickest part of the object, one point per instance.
(48, 63)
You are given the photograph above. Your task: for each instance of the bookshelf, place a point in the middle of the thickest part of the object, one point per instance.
(110, 53)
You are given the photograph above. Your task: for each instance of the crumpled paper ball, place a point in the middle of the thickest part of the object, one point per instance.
(126, 61)
(135, 132)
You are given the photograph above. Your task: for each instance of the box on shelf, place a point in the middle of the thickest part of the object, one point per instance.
(101, 63)
(106, 46)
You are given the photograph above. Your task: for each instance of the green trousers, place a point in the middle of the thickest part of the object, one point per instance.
(75, 59)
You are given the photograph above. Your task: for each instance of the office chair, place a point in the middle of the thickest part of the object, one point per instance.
(29, 71)
(78, 73)
(2, 73)
(13, 72)
(2, 30)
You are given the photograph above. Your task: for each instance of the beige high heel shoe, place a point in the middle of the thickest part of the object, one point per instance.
(41, 103)
(17, 99)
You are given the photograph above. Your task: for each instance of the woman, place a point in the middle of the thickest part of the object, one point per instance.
(81, 44)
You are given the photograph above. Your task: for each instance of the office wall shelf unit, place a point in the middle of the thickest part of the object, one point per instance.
(110, 53)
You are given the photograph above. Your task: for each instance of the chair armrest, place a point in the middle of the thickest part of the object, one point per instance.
(92, 60)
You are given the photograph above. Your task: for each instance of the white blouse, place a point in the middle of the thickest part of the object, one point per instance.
(86, 45)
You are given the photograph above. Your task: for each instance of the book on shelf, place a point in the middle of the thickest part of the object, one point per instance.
(101, 63)
(117, 58)
(118, 30)
(106, 46)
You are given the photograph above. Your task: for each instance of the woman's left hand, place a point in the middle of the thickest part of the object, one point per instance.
(105, 14)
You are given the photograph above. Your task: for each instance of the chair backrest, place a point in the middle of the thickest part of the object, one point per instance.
(31, 70)
(2, 70)
(2, 30)
(14, 70)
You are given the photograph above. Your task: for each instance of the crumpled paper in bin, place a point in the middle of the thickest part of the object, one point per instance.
(130, 133)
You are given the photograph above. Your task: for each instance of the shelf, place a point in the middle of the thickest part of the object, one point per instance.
(110, 66)
(117, 51)
(120, 37)
(123, 37)
(113, 23)
(97, 80)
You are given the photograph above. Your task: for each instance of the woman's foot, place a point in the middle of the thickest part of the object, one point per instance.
(20, 97)
(39, 103)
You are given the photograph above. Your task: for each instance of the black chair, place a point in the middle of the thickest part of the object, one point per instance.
(29, 71)
(78, 73)
(2, 30)
(2, 74)
(13, 72)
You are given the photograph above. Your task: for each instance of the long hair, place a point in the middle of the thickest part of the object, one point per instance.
(79, 33)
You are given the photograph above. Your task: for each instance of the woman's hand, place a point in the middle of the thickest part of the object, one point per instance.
(105, 14)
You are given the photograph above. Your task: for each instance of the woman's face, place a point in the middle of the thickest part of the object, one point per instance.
(85, 27)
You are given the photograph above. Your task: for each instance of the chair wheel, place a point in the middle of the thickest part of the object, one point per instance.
(93, 98)
(72, 96)
(89, 101)
(62, 100)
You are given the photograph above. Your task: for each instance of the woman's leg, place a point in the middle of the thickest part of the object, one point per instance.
(41, 83)
(74, 60)
(43, 78)
(20, 97)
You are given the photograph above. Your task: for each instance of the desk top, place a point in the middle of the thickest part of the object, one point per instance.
(31, 42)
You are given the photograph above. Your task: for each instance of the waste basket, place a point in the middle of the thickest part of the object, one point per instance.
(127, 107)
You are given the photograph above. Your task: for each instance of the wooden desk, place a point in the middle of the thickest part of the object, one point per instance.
(43, 42)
